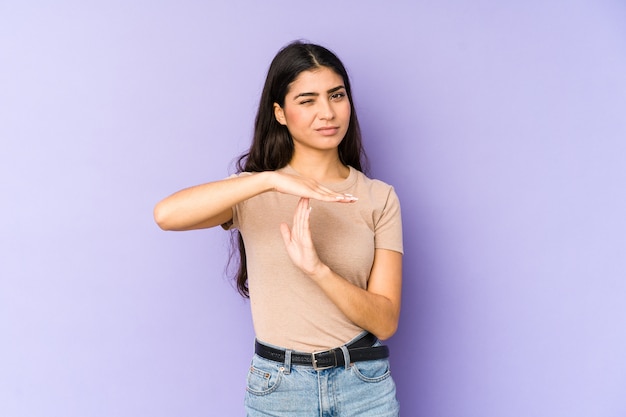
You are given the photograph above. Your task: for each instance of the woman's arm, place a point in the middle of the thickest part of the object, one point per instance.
(375, 309)
(210, 204)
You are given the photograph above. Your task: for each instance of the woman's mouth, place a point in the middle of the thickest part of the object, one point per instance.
(328, 130)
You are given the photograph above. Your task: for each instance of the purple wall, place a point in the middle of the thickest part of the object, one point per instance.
(501, 125)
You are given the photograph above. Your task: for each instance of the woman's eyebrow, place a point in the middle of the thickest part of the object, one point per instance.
(332, 90)
(306, 95)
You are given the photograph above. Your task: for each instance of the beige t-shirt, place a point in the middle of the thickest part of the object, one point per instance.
(288, 309)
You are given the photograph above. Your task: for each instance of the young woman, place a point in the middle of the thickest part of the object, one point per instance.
(320, 246)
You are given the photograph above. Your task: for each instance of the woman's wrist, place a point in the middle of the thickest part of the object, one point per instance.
(268, 180)
(319, 272)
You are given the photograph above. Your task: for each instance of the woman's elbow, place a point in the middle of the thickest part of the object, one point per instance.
(386, 333)
(162, 218)
(386, 330)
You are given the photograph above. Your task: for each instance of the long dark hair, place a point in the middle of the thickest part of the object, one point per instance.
(272, 147)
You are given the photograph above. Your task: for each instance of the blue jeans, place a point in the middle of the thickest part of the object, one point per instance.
(363, 389)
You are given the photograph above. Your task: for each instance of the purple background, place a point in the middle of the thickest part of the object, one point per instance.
(501, 124)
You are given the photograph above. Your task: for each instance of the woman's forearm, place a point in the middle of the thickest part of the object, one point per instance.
(210, 204)
(376, 313)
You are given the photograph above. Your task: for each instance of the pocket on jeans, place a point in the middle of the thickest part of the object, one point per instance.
(263, 377)
(372, 371)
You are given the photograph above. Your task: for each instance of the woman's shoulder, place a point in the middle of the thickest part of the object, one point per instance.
(375, 192)
(373, 184)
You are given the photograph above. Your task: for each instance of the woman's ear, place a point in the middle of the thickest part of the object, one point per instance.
(279, 114)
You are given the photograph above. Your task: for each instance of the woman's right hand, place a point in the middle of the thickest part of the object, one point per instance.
(306, 187)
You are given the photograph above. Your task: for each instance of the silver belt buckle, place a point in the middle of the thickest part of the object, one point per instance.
(314, 360)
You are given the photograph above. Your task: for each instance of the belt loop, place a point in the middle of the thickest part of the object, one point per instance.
(346, 356)
(287, 364)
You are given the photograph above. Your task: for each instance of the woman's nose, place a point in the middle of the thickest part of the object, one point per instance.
(326, 110)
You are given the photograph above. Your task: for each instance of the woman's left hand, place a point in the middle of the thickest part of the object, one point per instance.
(298, 239)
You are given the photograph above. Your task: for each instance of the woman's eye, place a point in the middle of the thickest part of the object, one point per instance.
(337, 96)
(306, 102)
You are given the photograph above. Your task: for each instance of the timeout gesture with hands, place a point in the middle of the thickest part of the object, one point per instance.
(298, 241)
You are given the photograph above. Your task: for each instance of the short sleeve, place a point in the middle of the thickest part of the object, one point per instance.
(388, 227)
(233, 223)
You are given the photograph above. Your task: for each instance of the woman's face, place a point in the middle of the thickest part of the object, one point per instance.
(316, 110)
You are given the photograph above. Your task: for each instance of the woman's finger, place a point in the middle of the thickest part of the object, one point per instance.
(335, 196)
(306, 187)
(302, 216)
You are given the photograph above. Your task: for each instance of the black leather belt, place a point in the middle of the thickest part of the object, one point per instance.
(359, 350)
